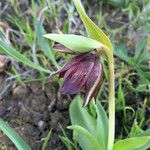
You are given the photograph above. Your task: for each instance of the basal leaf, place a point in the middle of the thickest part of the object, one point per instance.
(92, 29)
(88, 141)
(81, 116)
(13, 136)
(131, 143)
(75, 42)
(102, 126)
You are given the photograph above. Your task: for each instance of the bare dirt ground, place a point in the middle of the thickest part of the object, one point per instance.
(33, 112)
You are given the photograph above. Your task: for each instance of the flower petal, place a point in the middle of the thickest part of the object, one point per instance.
(93, 83)
(73, 62)
(75, 79)
(61, 48)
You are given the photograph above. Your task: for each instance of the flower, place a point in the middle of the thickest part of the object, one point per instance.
(83, 73)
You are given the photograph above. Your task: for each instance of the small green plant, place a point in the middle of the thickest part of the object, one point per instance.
(138, 62)
(14, 137)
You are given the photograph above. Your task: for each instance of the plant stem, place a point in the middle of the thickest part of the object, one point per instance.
(111, 133)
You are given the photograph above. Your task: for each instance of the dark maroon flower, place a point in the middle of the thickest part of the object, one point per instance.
(83, 73)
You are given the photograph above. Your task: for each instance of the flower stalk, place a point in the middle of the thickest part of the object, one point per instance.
(111, 99)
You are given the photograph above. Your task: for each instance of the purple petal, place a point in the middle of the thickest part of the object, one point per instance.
(72, 63)
(75, 79)
(93, 83)
(61, 48)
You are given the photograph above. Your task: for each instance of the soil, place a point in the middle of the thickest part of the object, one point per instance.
(33, 112)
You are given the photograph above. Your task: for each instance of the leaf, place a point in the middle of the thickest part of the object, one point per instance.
(145, 146)
(65, 139)
(92, 29)
(66, 142)
(80, 116)
(43, 44)
(102, 126)
(131, 143)
(121, 52)
(143, 133)
(75, 42)
(46, 140)
(89, 140)
(13, 136)
(117, 3)
(139, 47)
(134, 130)
(10, 51)
(145, 56)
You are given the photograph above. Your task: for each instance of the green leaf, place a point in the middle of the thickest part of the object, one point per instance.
(117, 3)
(9, 51)
(43, 44)
(102, 126)
(145, 56)
(143, 133)
(81, 116)
(46, 140)
(66, 141)
(139, 47)
(13, 136)
(92, 29)
(131, 143)
(121, 52)
(75, 42)
(145, 146)
(89, 140)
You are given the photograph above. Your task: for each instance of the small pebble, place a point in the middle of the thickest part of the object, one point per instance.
(41, 125)
(20, 91)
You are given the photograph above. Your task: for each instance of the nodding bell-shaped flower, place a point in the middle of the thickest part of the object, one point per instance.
(83, 73)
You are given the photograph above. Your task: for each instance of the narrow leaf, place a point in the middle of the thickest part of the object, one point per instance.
(102, 126)
(43, 44)
(92, 29)
(121, 52)
(9, 51)
(139, 47)
(75, 42)
(13, 136)
(145, 56)
(131, 143)
(46, 140)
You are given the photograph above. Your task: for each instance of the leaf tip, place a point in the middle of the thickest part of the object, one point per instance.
(45, 35)
(69, 127)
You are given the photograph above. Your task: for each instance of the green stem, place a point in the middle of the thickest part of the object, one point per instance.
(111, 132)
